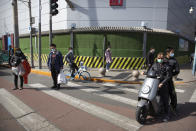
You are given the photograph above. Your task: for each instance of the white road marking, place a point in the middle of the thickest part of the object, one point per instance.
(30, 120)
(135, 90)
(114, 118)
(37, 85)
(179, 90)
(106, 95)
(193, 97)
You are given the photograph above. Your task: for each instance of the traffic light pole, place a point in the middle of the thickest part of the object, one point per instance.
(50, 24)
(15, 17)
(31, 45)
(39, 54)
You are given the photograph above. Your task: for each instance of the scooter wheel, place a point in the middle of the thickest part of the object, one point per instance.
(141, 114)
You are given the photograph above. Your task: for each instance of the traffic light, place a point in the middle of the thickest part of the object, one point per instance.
(53, 7)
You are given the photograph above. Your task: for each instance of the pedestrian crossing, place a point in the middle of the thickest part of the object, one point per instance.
(117, 119)
(26, 116)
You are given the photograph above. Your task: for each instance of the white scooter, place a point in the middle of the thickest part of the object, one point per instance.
(148, 101)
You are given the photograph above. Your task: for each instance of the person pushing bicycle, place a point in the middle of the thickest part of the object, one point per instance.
(70, 59)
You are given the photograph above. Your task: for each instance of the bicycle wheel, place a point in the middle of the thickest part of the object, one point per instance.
(84, 76)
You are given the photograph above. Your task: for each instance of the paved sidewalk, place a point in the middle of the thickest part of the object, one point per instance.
(124, 76)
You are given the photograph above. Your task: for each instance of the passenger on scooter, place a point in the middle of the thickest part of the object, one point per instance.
(163, 71)
(175, 69)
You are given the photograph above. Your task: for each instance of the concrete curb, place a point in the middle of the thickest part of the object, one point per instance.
(106, 80)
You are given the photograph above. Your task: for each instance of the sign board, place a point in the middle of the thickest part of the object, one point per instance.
(116, 2)
(183, 45)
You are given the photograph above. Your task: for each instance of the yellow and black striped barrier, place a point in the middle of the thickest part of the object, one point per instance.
(133, 63)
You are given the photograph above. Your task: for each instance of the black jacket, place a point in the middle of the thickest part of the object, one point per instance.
(16, 59)
(163, 71)
(149, 58)
(175, 68)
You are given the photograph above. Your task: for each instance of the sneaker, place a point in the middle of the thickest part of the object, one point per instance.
(166, 119)
(15, 88)
(107, 70)
(20, 88)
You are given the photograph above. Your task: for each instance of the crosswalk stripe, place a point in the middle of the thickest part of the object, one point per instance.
(30, 120)
(106, 95)
(135, 90)
(193, 97)
(100, 112)
(122, 88)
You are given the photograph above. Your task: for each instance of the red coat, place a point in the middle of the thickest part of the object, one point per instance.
(27, 68)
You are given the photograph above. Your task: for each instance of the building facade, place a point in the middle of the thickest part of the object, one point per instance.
(162, 14)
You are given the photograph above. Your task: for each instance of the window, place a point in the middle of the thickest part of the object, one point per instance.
(116, 2)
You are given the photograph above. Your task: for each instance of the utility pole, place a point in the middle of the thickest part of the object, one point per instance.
(15, 17)
(144, 44)
(50, 24)
(31, 45)
(40, 61)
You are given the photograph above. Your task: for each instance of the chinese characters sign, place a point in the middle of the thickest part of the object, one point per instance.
(116, 2)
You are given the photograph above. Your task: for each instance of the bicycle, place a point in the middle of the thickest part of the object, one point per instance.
(81, 74)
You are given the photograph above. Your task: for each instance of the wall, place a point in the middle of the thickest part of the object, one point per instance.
(62, 42)
(179, 18)
(89, 13)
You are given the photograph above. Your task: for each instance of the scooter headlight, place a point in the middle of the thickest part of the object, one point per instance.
(146, 90)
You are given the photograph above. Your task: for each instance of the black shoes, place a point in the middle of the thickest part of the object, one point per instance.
(56, 87)
(53, 87)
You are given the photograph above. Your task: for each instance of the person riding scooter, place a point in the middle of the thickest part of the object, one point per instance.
(162, 70)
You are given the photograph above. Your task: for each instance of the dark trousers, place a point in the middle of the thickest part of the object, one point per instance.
(172, 94)
(54, 74)
(73, 67)
(164, 94)
(16, 81)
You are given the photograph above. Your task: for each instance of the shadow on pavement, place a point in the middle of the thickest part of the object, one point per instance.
(185, 110)
(121, 76)
(3, 73)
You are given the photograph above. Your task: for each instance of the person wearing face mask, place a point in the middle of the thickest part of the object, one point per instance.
(175, 68)
(108, 56)
(70, 59)
(163, 71)
(150, 58)
(17, 68)
(55, 64)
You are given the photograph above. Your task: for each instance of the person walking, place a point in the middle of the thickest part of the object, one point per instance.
(70, 59)
(17, 67)
(150, 58)
(108, 56)
(175, 68)
(55, 64)
(10, 53)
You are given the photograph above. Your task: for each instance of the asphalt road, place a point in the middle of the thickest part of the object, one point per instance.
(84, 106)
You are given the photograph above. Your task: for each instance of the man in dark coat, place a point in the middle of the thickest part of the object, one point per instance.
(55, 64)
(175, 71)
(150, 58)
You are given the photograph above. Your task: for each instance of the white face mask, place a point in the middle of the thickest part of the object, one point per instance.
(172, 55)
(159, 60)
(53, 50)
